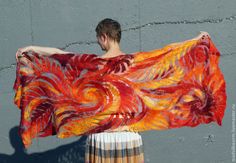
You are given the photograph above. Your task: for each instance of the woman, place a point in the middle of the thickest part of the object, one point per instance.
(115, 146)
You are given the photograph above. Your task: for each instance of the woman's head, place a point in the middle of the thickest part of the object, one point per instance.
(108, 30)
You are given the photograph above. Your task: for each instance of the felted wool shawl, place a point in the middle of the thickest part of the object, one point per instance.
(73, 94)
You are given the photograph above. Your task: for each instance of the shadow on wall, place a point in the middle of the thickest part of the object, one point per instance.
(69, 153)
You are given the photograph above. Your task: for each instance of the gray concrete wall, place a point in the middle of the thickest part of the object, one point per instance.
(147, 25)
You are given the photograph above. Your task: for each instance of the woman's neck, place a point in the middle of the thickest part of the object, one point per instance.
(113, 51)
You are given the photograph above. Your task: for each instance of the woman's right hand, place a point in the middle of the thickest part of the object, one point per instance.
(39, 49)
(21, 50)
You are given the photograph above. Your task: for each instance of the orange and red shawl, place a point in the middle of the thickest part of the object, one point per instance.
(76, 94)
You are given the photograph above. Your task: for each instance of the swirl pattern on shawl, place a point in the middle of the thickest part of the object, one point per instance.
(76, 94)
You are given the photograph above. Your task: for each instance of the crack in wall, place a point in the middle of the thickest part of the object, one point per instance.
(228, 54)
(9, 4)
(208, 20)
(77, 43)
(7, 67)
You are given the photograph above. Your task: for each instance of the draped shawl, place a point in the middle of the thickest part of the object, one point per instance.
(73, 94)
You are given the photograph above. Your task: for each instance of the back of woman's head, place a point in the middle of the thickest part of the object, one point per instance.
(109, 27)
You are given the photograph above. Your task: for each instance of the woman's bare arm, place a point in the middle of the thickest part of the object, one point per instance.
(47, 50)
(39, 49)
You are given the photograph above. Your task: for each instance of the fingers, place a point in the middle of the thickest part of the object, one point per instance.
(19, 54)
(204, 33)
(20, 51)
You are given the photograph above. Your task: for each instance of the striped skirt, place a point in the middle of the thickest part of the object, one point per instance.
(114, 147)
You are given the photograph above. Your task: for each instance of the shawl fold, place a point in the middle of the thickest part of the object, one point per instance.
(72, 94)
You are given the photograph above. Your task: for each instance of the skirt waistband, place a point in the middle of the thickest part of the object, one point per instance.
(122, 136)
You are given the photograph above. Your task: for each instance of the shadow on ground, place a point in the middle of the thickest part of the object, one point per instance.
(70, 153)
